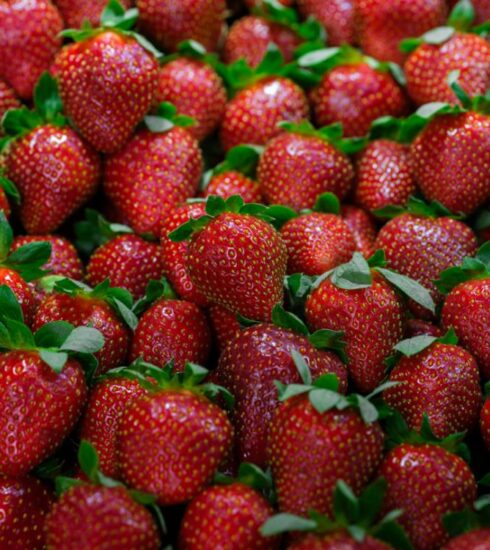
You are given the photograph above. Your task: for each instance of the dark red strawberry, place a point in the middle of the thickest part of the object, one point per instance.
(8, 100)
(172, 441)
(75, 12)
(337, 540)
(168, 23)
(337, 16)
(362, 227)
(29, 33)
(478, 538)
(418, 327)
(224, 325)
(485, 423)
(231, 183)
(24, 504)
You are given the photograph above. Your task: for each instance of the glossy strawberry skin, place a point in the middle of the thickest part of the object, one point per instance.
(485, 423)
(253, 114)
(310, 451)
(248, 368)
(168, 23)
(317, 242)
(172, 329)
(417, 327)
(477, 538)
(196, 91)
(421, 248)
(100, 423)
(75, 12)
(384, 175)
(29, 33)
(467, 310)
(428, 67)
(171, 444)
(372, 319)
(336, 541)
(91, 516)
(381, 26)
(107, 84)
(224, 325)
(226, 516)
(151, 175)
(24, 504)
(85, 311)
(8, 100)
(451, 159)
(174, 255)
(128, 261)
(55, 171)
(443, 382)
(426, 481)
(239, 262)
(22, 291)
(38, 409)
(337, 16)
(362, 227)
(356, 95)
(294, 169)
(232, 183)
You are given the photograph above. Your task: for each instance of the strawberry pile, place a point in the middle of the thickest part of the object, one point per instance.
(245, 274)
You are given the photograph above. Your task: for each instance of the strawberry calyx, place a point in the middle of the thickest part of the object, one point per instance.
(253, 476)
(116, 19)
(166, 118)
(9, 186)
(470, 269)
(417, 207)
(155, 290)
(355, 514)
(469, 518)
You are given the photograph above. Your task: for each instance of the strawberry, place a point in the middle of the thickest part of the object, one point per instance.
(107, 79)
(53, 168)
(435, 378)
(362, 227)
(168, 23)
(29, 33)
(337, 540)
(156, 170)
(75, 303)
(337, 16)
(482, 11)
(468, 527)
(485, 423)
(8, 99)
(319, 240)
(421, 245)
(418, 327)
(466, 307)
(172, 441)
(224, 325)
(236, 259)
(302, 163)
(478, 538)
(75, 12)
(382, 26)
(24, 504)
(256, 358)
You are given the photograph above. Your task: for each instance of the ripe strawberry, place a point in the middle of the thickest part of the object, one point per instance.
(168, 23)
(384, 175)
(236, 259)
(29, 33)
(382, 26)
(418, 327)
(75, 12)
(8, 100)
(249, 366)
(337, 16)
(24, 504)
(478, 538)
(362, 227)
(482, 11)
(301, 164)
(485, 423)
(172, 441)
(224, 325)
(196, 90)
(227, 184)
(334, 541)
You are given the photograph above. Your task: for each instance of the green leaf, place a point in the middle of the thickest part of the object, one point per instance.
(157, 124)
(345, 504)
(63, 484)
(330, 339)
(368, 411)
(182, 233)
(115, 16)
(154, 291)
(323, 399)
(301, 366)
(285, 319)
(146, 44)
(482, 221)
(283, 523)
(378, 259)
(9, 305)
(125, 313)
(319, 58)
(438, 35)
(52, 335)
(17, 122)
(328, 381)
(88, 460)
(215, 206)
(410, 288)
(10, 189)
(462, 16)
(194, 374)
(83, 340)
(254, 477)
(353, 275)
(394, 535)
(412, 346)
(47, 98)
(28, 259)
(371, 500)
(291, 390)
(6, 236)
(20, 334)
(272, 61)
(328, 203)
(459, 92)
(55, 359)
(214, 390)
(408, 45)
(191, 48)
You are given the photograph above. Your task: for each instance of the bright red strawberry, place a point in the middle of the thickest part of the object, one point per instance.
(473, 540)
(451, 160)
(384, 175)
(172, 441)
(172, 330)
(382, 26)
(8, 100)
(24, 504)
(75, 12)
(29, 33)
(196, 90)
(485, 423)
(362, 227)
(249, 366)
(169, 23)
(337, 16)
(227, 184)
(224, 325)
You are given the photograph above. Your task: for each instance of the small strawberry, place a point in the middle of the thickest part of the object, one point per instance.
(382, 26)
(156, 170)
(236, 259)
(107, 79)
(168, 23)
(224, 325)
(8, 100)
(362, 227)
(29, 33)
(337, 16)
(24, 504)
(76, 12)
(172, 440)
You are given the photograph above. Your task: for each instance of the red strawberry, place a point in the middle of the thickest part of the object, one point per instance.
(196, 91)
(451, 159)
(172, 441)
(418, 327)
(337, 16)
(4, 203)
(337, 540)
(24, 504)
(29, 33)
(75, 12)
(473, 540)
(224, 324)
(482, 11)
(362, 227)
(485, 423)
(8, 99)
(384, 175)
(227, 184)
(168, 23)
(382, 26)
(249, 366)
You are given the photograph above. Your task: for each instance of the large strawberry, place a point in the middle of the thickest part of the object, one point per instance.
(172, 440)
(29, 34)
(337, 16)
(224, 324)
(76, 12)
(156, 170)
(53, 168)
(235, 258)
(362, 227)
(107, 79)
